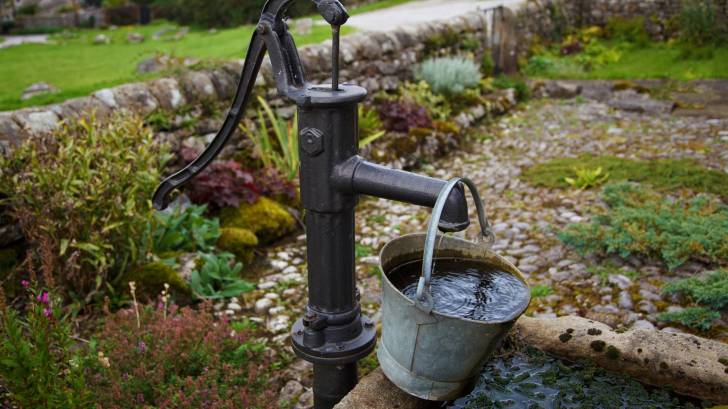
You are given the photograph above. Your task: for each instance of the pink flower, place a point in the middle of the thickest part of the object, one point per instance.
(25, 283)
(43, 297)
(47, 312)
(142, 347)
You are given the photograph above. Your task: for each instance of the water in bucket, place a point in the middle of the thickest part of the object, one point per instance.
(465, 288)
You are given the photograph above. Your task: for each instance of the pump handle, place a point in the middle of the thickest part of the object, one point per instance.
(272, 36)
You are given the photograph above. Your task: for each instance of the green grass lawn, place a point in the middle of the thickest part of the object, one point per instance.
(656, 60)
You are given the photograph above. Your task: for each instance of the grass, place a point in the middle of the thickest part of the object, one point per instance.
(662, 174)
(78, 68)
(655, 60)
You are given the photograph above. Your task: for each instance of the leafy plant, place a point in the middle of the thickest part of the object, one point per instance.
(437, 106)
(178, 358)
(541, 291)
(631, 30)
(40, 365)
(218, 277)
(587, 178)
(81, 196)
(711, 291)
(523, 93)
(449, 76)
(694, 317)
(281, 152)
(402, 116)
(699, 24)
(639, 221)
(183, 229)
(222, 184)
(370, 126)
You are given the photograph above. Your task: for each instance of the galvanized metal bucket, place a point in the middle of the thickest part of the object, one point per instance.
(425, 353)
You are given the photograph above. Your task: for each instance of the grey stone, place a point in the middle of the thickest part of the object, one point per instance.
(305, 401)
(625, 300)
(643, 324)
(263, 305)
(621, 281)
(39, 88)
(647, 307)
(101, 39)
(562, 89)
(290, 393)
(135, 38)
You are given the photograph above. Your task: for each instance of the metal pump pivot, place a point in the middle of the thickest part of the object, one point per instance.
(332, 335)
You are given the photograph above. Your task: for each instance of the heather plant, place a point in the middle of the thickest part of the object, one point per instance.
(219, 277)
(39, 363)
(402, 116)
(641, 222)
(81, 197)
(222, 184)
(449, 76)
(183, 229)
(177, 358)
(279, 150)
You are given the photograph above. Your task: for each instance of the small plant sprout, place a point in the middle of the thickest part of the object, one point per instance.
(165, 299)
(132, 290)
(587, 178)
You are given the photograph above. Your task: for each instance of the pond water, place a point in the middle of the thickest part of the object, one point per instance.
(466, 288)
(535, 380)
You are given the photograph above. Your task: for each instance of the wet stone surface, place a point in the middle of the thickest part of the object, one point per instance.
(525, 218)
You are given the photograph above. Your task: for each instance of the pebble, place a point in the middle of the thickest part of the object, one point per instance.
(290, 270)
(646, 306)
(643, 324)
(266, 285)
(625, 301)
(608, 308)
(234, 306)
(289, 393)
(272, 296)
(279, 323)
(290, 292)
(278, 264)
(276, 310)
(305, 401)
(263, 305)
(672, 330)
(621, 281)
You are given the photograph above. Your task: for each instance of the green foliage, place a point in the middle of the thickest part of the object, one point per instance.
(699, 25)
(587, 178)
(437, 106)
(8, 260)
(641, 222)
(219, 278)
(150, 280)
(694, 317)
(628, 29)
(711, 291)
(39, 364)
(523, 93)
(449, 76)
(159, 120)
(224, 13)
(370, 126)
(267, 219)
(81, 196)
(183, 229)
(280, 153)
(487, 66)
(661, 174)
(541, 291)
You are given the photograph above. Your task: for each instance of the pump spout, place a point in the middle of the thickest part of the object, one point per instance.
(357, 176)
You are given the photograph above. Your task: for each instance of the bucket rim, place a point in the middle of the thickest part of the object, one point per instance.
(514, 271)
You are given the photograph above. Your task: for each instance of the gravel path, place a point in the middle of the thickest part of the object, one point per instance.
(525, 218)
(13, 40)
(421, 11)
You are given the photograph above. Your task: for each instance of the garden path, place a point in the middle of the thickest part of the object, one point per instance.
(421, 11)
(525, 218)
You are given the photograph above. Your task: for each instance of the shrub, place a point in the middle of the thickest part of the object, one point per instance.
(402, 116)
(661, 174)
(222, 184)
(694, 317)
(281, 152)
(711, 291)
(698, 24)
(82, 199)
(219, 277)
(437, 106)
(178, 359)
(449, 76)
(40, 365)
(183, 229)
(487, 66)
(639, 221)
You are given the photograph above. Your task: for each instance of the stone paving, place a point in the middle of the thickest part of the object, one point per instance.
(525, 219)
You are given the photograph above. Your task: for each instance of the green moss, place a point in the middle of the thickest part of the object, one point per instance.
(612, 352)
(267, 219)
(662, 174)
(710, 291)
(541, 290)
(150, 279)
(565, 337)
(598, 345)
(240, 242)
(8, 260)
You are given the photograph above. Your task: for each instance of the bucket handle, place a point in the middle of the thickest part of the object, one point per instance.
(423, 298)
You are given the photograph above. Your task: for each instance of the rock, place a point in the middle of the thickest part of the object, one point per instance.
(148, 65)
(305, 401)
(39, 88)
(686, 363)
(279, 324)
(375, 391)
(234, 306)
(268, 219)
(101, 39)
(642, 105)
(561, 89)
(647, 307)
(135, 38)
(643, 324)
(625, 300)
(263, 305)
(289, 393)
(240, 242)
(621, 281)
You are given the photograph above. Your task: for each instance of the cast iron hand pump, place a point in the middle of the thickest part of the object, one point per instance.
(332, 335)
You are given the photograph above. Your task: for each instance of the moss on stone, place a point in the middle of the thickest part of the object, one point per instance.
(267, 219)
(150, 279)
(598, 345)
(662, 174)
(612, 352)
(238, 241)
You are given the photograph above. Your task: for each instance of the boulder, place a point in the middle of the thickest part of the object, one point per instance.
(375, 391)
(135, 38)
(267, 219)
(102, 39)
(39, 88)
(238, 241)
(561, 89)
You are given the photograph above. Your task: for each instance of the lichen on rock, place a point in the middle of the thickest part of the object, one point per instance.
(267, 219)
(238, 241)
